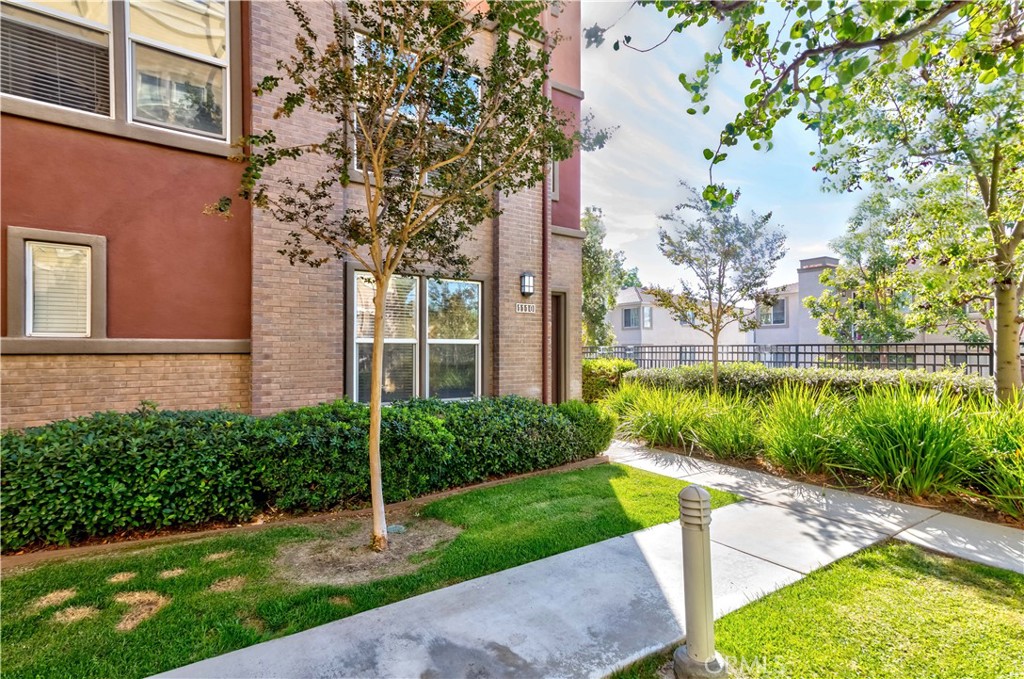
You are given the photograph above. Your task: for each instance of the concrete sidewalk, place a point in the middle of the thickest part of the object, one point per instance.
(588, 612)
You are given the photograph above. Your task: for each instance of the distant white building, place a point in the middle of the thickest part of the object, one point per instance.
(638, 320)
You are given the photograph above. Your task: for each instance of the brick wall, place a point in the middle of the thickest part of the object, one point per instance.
(38, 389)
(298, 338)
(299, 314)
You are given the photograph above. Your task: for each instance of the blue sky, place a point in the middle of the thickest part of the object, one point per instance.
(635, 177)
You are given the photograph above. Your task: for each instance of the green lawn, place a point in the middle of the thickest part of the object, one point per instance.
(504, 526)
(889, 612)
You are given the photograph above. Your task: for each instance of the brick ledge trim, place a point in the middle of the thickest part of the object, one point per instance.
(38, 346)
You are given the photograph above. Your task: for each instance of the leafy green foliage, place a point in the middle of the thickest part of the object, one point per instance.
(728, 429)
(730, 261)
(754, 379)
(802, 428)
(910, 441)
(911, 438)
(999, 435)
(662, 417)
(903, 92)
(865, 297)
(602, 375)
(594, 426)
(604, 274)
(115, 472)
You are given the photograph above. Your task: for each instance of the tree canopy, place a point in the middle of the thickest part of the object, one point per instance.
(726, 263)
(911, 92)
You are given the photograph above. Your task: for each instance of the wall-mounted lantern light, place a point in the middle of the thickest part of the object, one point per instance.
(526, 284)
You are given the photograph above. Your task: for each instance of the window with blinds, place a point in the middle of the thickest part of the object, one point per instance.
(53, 61)
(57, 288)
(401, 310)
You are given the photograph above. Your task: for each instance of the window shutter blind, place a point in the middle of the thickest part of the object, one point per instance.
(56, 68)
(59, 289)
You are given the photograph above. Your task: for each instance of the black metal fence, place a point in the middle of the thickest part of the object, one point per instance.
(972, 358)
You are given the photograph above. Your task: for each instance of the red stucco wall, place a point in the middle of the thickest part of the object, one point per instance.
(172, 271)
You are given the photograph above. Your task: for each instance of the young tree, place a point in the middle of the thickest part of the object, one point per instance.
(604, 274)
(730, 261)
(436, 132)
(902, 90)
(865, 297)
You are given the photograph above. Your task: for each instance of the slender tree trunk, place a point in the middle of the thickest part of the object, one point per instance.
(1007, 340)
(714, 362)
(380, 525)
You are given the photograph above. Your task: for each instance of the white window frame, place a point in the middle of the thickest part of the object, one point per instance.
(647, 317)
(30, 297)
(477, 387)
(415, 340)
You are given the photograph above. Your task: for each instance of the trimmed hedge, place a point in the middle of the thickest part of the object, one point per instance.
(114, 472)
(754, 379)
(602, 375)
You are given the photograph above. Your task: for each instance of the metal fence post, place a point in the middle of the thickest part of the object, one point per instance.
(697, 657)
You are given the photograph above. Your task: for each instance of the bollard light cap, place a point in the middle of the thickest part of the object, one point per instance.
(695, 507)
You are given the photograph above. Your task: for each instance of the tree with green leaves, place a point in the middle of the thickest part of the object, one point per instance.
(897, 91)
(603, 274)
(865, 298)
(727, 262)
(435, 131)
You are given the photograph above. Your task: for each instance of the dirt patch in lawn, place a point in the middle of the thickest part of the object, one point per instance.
(74, 614)
(144, 605)
(218, 556)
(228, 584)
(55, 598)
(345, 558)
(121, 577)
(170, 573)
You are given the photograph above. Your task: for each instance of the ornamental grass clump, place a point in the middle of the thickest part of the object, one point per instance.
(663, 417)
(910, 441)
(728, 429)
(803, 428)
(998, 434)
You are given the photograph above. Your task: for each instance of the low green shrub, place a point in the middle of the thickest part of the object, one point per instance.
(911, 441)
(802, 428)
(998, 433)
(595, 426)
(114, 472)
(728, 429)
(663, 417)
(602, 376)
(757, 380)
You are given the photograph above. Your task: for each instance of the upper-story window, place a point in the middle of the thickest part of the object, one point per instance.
(773, 315)
(143, 63)
(647, 313)
(631, 318)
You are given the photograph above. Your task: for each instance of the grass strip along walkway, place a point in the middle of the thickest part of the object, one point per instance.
(154, 609)
(890, 612)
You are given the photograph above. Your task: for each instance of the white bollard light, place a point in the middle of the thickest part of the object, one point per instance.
(697, 659)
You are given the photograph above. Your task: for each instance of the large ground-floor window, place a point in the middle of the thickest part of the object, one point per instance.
(432, 332)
